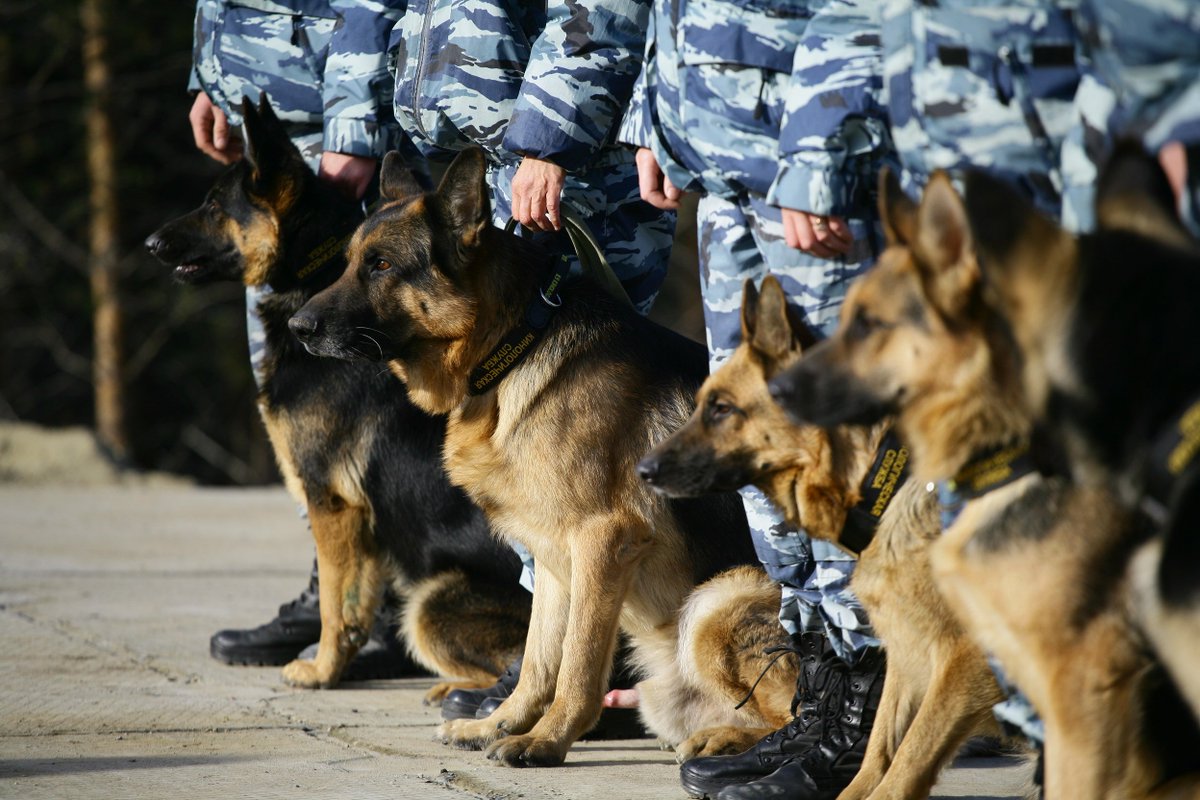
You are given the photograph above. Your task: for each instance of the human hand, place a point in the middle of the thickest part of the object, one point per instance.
(350, 175)
(1173, 159)
(210, 129)
(823, 236)
(537, 192)
(655, 187)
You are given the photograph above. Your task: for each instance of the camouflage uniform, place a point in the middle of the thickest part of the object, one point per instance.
(544, 80)
(1145, 58)
(323, 63)
(761, 105)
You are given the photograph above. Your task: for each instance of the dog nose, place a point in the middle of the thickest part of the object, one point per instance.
(155, 244)
(647, 469)
(304, 326)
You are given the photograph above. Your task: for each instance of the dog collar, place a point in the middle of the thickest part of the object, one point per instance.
(321, 257)
(986, 471)
(886, 475)
(1173, 452)
(521, 340)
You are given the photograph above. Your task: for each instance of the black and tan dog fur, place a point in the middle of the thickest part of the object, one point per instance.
(1035, 569)
(364, 461)
(1107, 328)
(549, 453)
(938, 689)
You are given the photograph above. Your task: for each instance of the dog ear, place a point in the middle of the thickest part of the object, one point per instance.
(463, 193)
(1133, 194)
(267, 148)
(397, 181)
(897, 210)
(943, 247)
(749, 309)
(774, 336)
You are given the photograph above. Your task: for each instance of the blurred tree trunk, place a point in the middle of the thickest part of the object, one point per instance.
(109, 356)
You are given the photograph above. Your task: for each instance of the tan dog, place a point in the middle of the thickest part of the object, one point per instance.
(1107, 337)
(938, 689)
(1033, 566)
(553, 392)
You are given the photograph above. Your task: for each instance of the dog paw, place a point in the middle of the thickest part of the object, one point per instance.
(716, 742)
(303, 674)
(527, 751)
(468, 734)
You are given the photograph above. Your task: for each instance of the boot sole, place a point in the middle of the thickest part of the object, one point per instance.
(708, 789)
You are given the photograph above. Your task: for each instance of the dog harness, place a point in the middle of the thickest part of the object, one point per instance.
(884, 479)
(986, 471)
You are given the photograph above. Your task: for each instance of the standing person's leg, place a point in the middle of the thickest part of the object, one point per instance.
(739, 241)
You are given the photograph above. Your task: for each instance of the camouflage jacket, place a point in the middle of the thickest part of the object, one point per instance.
(324, 63)
(1148, 53)
(549, 80)
(808, 150)
(976, 83)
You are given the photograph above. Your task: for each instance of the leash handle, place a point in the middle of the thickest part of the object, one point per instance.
(591, 256)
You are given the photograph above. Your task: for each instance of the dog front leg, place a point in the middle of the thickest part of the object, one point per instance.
(351, 577)
(957, 704)
(602, 565)
(539, 672)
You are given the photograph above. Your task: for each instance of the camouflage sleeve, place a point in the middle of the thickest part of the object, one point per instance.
(357, 81)
(637, 127)
(834, 113)
(579, 79)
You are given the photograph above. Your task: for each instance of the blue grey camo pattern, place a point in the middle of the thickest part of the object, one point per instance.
(516, 79)
(750, 103)
(1145, 59)
(983, 84)
(744, 239)
(324, 64)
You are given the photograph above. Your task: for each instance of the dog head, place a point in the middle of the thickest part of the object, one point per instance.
(914, 333)
(407, 294)
(241, 229)
(737, 433)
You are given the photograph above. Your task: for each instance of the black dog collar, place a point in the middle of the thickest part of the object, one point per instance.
(322, 256)
(1173, 452)
(987, 471)
(521, 340)
(885, 477)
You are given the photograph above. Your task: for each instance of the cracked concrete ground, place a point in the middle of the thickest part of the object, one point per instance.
(107, 598)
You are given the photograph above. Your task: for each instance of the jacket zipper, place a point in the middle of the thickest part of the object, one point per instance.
(420, 77)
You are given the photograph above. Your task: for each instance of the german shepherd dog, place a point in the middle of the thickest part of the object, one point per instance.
(1108, 337)
(364, 461)
(938, 689)
(553, 393)
(1033, 565)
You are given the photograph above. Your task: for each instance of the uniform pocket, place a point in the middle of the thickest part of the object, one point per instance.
(749, 33)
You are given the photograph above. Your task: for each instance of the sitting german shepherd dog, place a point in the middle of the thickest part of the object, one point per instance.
(365, 462)
(1108, 331)
(554, 391)
(1034, 566)
(845, 485)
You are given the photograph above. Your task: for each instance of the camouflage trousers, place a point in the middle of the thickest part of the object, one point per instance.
(742, 239)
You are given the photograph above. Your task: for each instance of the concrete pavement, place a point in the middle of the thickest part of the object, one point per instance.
(107, 598)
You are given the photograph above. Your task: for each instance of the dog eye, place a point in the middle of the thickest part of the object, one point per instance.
(381, 265)
(718, 409)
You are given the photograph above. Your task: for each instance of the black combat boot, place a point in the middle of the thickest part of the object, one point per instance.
(277, 642)
(465, 703)
(848, 706)
(708, 775)
(293, 633)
